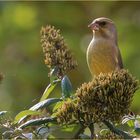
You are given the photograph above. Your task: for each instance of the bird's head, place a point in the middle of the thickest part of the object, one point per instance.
(104, 27)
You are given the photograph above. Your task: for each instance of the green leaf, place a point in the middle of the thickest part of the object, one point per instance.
(137, 131)
(40, 105)
(25, 113)
(66, 87)
(138, 117)
(84, 136)
(104, 132)
(53, 74)
(36, 122)
(42, 132)
(131, 123)
(7, 134)
(2, 113)
(47, 91)
(45, 103)
(61, 132)
(125, 120)
(58, 105)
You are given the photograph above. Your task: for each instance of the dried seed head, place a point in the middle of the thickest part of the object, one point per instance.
(65, 113)
(107, 97)
(55, 50)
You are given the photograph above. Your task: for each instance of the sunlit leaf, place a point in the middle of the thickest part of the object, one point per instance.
(129, 119)
(133, 133)
(53, 75)
(25, 113)
(2, 113)
(58, 105)
(104, 131)
(45, 103)
(40, 105)
(47, 91)
(138, 117)
(36, 122)
(131, 123)
(52, 137)
(66, 87)
(62, 132)
(125, 120)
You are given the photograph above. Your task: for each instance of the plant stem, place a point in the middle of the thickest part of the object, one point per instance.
(117, 131)
(91, 127)
(81, 130)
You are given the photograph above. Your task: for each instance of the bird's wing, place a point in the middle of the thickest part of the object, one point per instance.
(118, 57)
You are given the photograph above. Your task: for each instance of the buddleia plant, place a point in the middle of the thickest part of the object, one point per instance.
(56, 52)
(104, 102)
(106, 97)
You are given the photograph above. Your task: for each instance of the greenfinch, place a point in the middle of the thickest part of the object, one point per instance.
(103, 54)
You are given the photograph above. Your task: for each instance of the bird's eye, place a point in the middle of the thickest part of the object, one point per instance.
(103, 23)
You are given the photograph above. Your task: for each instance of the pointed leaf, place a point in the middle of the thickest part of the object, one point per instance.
(125, 120)
(43, 132)
(36, 122)
(104, 131)
(25, 113)
(2, 113)
(40, 105)
(47, 91)
(65, 132)
(58, 105)
(45, 103)
(131, 123)
(66, 87)
(53, 75)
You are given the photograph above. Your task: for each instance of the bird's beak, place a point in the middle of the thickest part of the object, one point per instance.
(94, 26)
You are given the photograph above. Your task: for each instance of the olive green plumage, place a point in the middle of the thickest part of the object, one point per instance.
(103, 54)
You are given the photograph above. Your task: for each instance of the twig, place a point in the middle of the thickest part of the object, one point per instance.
(118, 131)
(91, 127)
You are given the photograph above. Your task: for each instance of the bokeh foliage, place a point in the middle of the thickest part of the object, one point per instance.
(21, 57)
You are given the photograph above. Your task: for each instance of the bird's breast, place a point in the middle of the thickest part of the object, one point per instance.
(100, 57)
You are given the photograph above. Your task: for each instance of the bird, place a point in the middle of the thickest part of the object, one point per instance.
(103, 54)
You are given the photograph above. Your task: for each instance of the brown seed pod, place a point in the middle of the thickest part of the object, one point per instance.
(107, 97)
(56, 51)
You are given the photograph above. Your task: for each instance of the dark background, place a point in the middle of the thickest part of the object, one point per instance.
(21, 57)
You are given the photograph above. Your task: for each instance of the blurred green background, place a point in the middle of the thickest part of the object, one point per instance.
(21, 57)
